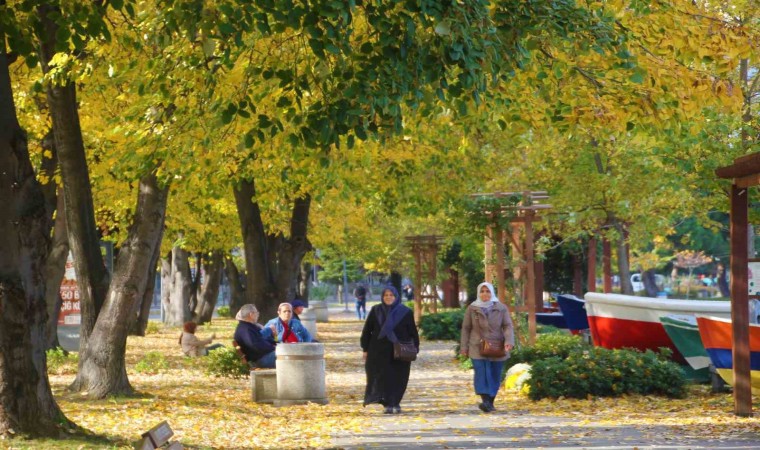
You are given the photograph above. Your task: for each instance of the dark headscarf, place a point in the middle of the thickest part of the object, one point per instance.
(390, 315)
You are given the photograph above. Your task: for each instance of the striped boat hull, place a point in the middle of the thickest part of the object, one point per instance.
(717, 336)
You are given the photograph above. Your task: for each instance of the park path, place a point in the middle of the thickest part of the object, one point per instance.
(440, 412)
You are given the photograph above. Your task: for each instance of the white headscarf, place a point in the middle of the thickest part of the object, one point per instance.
(480, 303)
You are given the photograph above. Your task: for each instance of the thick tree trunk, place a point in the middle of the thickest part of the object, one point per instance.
(176, 288)
(650, 283)
(237, 290)
(55, 267)
(143, 308)
(212, 278)
(272, 261)
(450, 288)
(102, 370)
(304, 282)
(27, 405)
(92, 276)
(396, 279)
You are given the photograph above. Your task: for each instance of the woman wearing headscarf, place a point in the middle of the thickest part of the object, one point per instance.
(487, 321)
(387, 323)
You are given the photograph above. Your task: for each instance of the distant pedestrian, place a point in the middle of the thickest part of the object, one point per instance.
(360, 294)
(388, 323)
(408, 292)
(487, 338)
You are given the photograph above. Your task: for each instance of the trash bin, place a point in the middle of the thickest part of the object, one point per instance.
(300, 374)
(309, 320)
(320, 310)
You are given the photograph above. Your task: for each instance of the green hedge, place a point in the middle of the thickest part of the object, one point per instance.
(606, 373)
(546, 346)
(443, 326)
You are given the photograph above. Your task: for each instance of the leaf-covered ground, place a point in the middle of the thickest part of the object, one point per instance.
(439, 408)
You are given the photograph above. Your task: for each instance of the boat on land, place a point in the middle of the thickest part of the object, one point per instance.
(683, 331)
(626, 321)
(574, 311)
(717, 337)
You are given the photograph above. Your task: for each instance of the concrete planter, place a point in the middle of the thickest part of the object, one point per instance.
(300, 374)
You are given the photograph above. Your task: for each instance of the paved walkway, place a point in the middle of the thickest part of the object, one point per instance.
(440, 412)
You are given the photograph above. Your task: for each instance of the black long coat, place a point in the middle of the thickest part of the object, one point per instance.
(386, 377)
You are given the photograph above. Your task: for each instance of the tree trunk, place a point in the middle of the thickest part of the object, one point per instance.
(396, 279)
(450, 288)
(27, 405)
(237, 290)
(304, 282)
(272, 261)
(92, 276)
(196, 281)
(55, 267)
(102, 369)
(577, 263)
(623, 263)
(212, 269)
(176, 291)
(650, 284)
(143, 308)
(725, 291)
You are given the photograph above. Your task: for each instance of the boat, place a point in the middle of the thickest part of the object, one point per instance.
(554, 319)
(683, 331)
(620, 321)
(574, 311)
(717, 336)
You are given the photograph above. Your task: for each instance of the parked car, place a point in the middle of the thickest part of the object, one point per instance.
(638, 283)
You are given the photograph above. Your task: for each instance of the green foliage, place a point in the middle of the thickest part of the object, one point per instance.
(484, 211)
(60, 362)
(152, 363)
(332, 268)
(606, 373)
(224, 311)
(153, 327)
(225, 362)
(445, 325)
(321, 292)
(547, 345)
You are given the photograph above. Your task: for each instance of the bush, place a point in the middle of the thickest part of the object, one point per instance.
(153, 327)
(547, 345)
(152, 363)
(321, 292)
(606, 373)
(223, 311)
(61, 362)
(445, 325)
(225, 362)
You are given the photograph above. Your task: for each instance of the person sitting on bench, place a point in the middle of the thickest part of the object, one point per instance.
(255, 343)
(286, 329)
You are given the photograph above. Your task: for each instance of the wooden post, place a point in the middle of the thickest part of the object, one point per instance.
(539, 289)
(607, 265)
(501, 289)
(577, 275)
(432, 258)
(591, 279)
(489, 242)
(530, 286)
(740, 302)
(417, 284)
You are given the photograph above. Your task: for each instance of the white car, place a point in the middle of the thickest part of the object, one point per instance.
(638, 283)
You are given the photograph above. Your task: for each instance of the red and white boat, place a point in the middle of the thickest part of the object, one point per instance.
(618, 321)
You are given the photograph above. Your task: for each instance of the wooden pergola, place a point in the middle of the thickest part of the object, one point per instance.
(744, 173)
(425, 251)
(523, 214)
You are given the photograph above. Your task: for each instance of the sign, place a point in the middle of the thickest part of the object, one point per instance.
(753, 278)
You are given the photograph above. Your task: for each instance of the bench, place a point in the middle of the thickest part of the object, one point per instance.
(264, 385)
(239, 352)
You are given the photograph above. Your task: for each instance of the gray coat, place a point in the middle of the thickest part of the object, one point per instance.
(496, 327)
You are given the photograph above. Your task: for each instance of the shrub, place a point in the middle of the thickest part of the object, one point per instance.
(321, 292)
(225, 362)
(606, 373)
(153, 327)
(445, 325)
(224, 311)
(547, 345)
(151, 363)
(61, 362)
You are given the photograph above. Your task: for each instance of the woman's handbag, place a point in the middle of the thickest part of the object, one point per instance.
(492, 349)
(404, 351)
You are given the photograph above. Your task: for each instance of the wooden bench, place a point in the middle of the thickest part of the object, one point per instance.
(239, 352)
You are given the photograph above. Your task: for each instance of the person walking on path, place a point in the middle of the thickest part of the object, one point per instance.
(487, 328)
(360, 294)
(388, 323)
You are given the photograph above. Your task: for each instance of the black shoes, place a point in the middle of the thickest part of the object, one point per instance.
(396, 410)
(392, 410)
(487, 404)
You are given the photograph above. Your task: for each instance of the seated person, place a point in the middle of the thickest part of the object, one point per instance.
(286, 329)
(298, 307)
(191, 345)
(255, 343)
